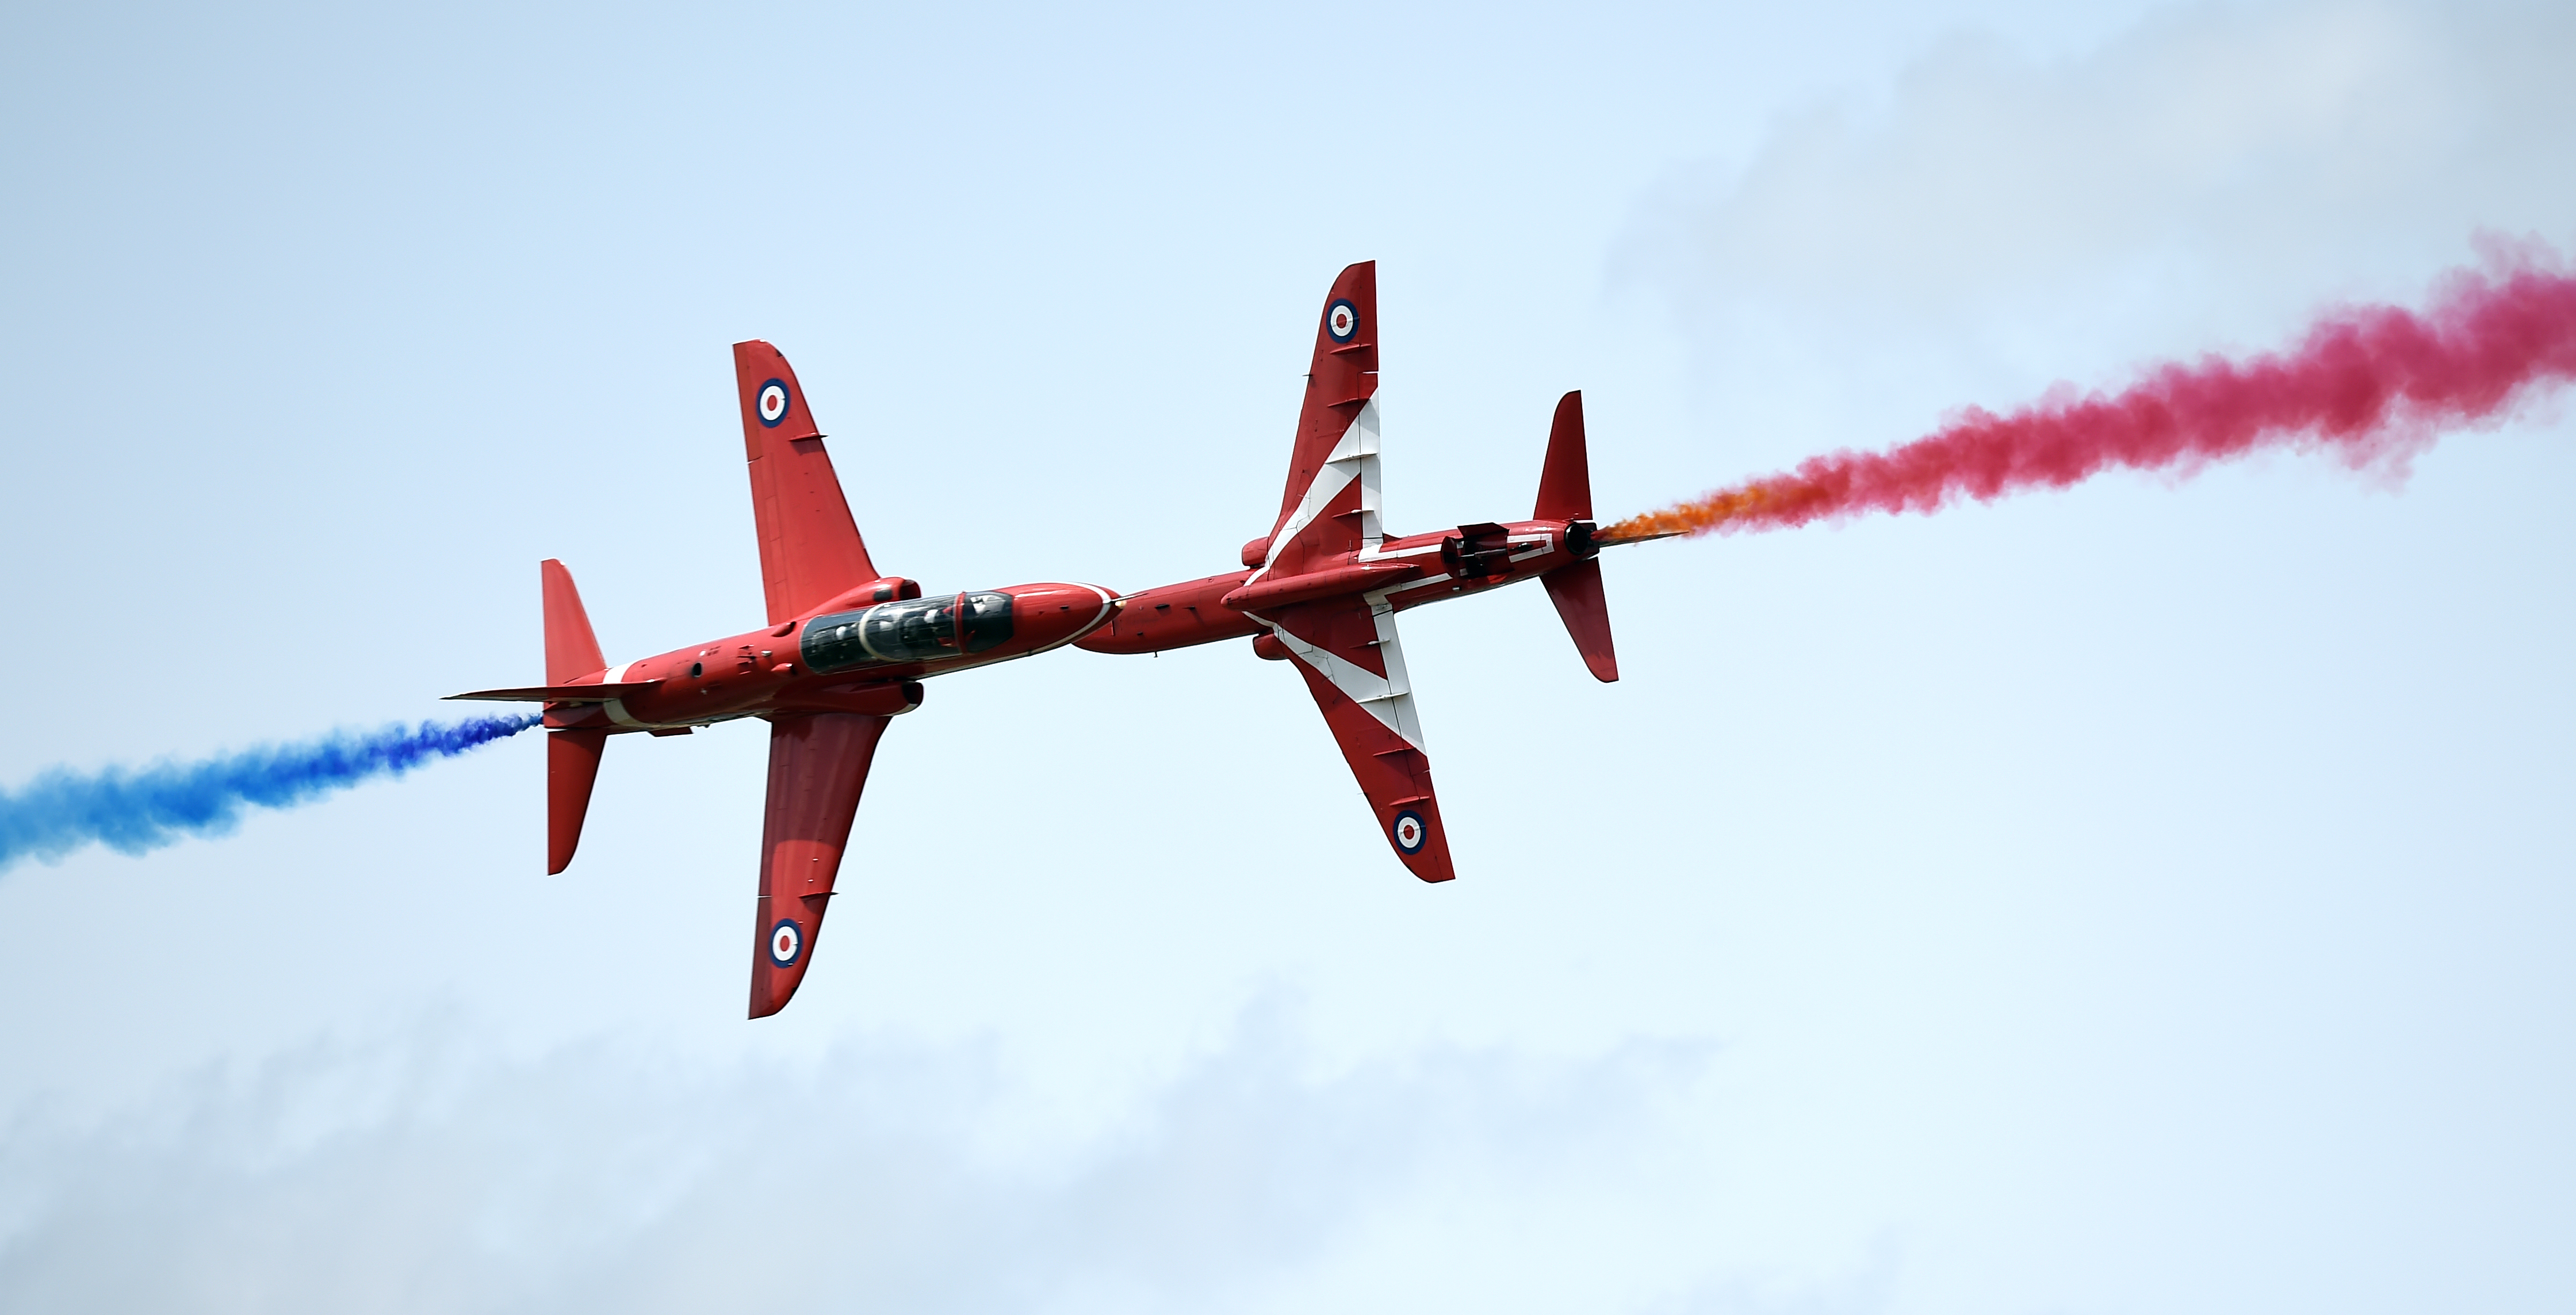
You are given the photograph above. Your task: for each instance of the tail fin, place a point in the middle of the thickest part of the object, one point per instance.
(1565, 494)
(1565, 482)
(572, 757)
(571, 650)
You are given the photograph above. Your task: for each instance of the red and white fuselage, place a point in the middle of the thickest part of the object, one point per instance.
(857, 654)
(1404, 573)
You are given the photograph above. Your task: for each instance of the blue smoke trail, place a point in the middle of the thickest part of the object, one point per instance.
(135, 811)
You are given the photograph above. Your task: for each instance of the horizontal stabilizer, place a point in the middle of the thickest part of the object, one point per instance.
(572, 767)
(1576, 591)
(561, 693)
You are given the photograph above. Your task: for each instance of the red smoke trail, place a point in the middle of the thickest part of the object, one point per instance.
(2371, 384)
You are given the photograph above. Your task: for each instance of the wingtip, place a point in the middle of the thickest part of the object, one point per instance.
(769, 994)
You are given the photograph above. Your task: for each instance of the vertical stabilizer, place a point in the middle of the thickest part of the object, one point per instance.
(1565, 482)
(571, 650)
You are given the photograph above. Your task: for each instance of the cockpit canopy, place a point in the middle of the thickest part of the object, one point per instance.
(916, 630)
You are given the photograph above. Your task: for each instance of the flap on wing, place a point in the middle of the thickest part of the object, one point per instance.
(592, 693)
(809, 547)
(818, 764)
(1355, 669)
(1330, 504)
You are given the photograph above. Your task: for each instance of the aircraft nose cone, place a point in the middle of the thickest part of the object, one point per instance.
(1045, 615)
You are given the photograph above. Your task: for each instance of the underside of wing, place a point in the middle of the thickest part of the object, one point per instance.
(818, 764)
(1329, 506)
(1354, 668)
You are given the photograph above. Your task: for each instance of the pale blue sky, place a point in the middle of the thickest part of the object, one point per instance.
(2152, 897)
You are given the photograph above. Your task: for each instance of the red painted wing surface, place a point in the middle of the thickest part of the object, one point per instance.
(1330, 505)
(810, 549)
(818, 763)
(1347, 651)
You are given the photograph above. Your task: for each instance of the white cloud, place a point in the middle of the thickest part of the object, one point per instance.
(2202, 182)
(425, 1174)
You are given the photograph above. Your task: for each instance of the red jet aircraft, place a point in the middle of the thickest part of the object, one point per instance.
(844, 652)
(846, 648)
(1323, 587)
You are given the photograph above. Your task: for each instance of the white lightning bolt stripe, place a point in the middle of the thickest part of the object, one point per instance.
(1354, 458)
(1389, 698)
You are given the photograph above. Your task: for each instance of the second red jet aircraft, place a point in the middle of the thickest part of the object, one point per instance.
(1323, 588)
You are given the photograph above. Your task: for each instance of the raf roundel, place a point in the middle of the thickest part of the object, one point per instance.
(785, 940)
(1342, 320)
(1410, 831)
(772, 402)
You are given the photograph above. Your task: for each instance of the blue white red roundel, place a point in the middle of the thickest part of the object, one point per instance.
(785, 940)
(1342, 320)
(1410, 831)
(771, 402)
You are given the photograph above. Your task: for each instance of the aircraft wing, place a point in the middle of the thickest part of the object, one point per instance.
(1330, 505)
(818, 763)
(810, 549)
(1347, 651)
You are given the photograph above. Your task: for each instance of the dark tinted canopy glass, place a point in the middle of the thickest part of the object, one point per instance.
(916, 630)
